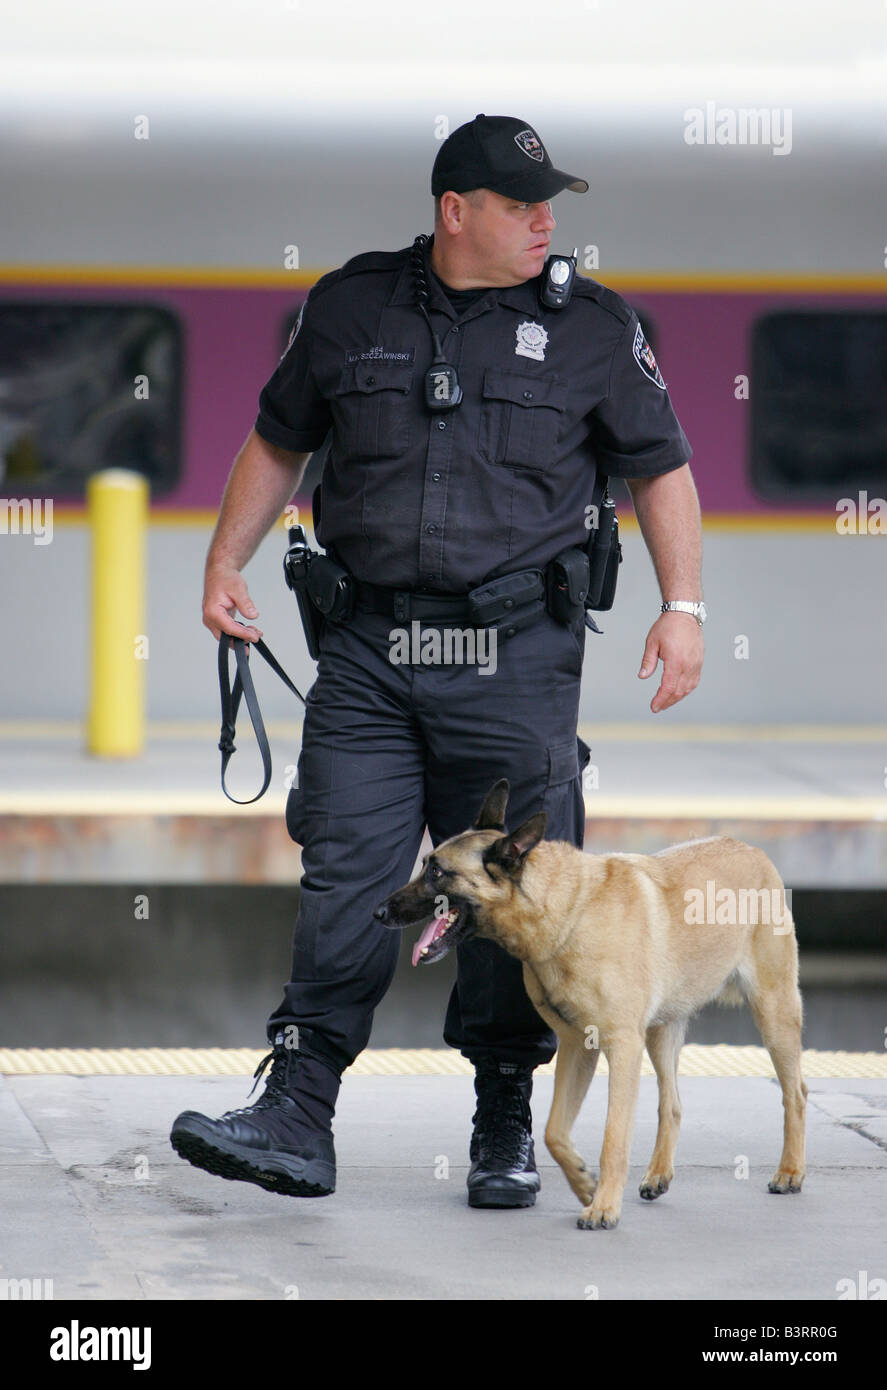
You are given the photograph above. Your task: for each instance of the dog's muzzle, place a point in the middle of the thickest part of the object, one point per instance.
(432, 943)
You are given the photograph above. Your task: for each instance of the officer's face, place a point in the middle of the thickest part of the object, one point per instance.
(508, 240)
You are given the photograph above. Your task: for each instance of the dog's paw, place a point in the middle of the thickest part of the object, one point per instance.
(596, 1218)
(654, 1185)
(586, 1186)
(785, 1181)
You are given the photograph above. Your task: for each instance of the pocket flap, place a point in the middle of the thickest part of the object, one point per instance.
(563, 762)
(375, 376)
(522, 389)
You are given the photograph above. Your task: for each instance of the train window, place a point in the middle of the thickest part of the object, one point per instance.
(818, 397)
(86, 386)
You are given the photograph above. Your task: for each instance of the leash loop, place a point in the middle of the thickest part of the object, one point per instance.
(231, 697)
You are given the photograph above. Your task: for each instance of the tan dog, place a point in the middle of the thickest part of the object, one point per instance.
(619, 950)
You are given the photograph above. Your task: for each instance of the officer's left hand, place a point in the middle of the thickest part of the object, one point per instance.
(676, 640)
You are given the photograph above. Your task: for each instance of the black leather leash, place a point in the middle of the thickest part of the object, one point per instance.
(243, 685)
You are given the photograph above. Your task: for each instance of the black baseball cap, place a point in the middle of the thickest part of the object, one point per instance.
(501, 153)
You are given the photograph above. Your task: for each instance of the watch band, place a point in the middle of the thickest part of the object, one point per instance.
(695, 608)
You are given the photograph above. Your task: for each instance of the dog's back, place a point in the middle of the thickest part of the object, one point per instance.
(702, 920)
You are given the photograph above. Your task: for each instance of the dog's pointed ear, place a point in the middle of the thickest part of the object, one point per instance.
(491, 815)
(511, 851)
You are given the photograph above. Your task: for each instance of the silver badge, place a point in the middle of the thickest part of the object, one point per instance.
(532, 340)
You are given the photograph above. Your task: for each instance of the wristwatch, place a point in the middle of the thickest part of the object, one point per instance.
(681, 605)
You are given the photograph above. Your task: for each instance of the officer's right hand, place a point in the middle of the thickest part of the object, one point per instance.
(224, 593)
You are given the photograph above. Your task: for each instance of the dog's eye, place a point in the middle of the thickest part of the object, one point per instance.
(435, 871)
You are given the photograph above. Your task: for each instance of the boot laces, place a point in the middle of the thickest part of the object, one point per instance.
(277, 1084)
(503, 1118)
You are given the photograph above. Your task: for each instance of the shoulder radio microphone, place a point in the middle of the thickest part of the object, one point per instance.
(557, 280)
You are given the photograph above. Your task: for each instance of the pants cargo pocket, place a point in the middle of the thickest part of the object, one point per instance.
(563, 803)
(298, 801)
(295, 809)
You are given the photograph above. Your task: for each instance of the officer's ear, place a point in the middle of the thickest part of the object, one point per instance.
(491, 815)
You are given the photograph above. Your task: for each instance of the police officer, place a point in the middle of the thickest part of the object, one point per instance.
(472, 428)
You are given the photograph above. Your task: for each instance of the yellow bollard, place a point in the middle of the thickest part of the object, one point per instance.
(117, 504)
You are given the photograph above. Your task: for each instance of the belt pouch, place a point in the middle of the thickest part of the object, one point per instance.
(331, 589)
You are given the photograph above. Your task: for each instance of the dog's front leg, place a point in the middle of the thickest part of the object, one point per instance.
(624, 1050)
(573, 1072)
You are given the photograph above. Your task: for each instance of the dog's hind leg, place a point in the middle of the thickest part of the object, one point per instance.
(574, 1069)
(776, 1006)
(664, 1042)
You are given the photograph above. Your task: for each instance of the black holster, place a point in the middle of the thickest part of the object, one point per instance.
(323, 588)
(296, 564)
(604, 553)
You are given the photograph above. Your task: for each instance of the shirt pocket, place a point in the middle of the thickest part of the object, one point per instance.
(371, 411)
(522, 418)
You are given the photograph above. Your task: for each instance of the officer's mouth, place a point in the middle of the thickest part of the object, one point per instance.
(440, 935)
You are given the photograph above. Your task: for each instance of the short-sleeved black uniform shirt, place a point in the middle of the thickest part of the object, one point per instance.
(553, 400)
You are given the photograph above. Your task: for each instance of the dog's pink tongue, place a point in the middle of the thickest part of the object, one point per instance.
(431, 932)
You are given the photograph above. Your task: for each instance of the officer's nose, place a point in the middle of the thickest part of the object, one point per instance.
(544, 220)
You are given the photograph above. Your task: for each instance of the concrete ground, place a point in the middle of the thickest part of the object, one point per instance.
(96, 1200)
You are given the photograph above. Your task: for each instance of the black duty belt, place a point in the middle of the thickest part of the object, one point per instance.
(406, 604)
(507, 604)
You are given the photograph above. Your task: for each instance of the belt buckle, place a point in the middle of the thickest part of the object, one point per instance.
(402, 605)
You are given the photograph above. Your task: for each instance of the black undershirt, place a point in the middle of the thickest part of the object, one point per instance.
(461, 299)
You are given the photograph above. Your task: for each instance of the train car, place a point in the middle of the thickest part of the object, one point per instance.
(132, 337)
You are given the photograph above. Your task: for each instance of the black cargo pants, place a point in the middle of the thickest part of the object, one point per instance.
(386, 750)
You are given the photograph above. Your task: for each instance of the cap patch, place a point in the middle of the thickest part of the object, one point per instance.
(531, 145)
(643, 355)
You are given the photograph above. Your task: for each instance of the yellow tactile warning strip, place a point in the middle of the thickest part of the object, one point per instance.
(696, 1060)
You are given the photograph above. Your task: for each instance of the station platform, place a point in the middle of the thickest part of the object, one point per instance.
(812, 796)
(98, 1202)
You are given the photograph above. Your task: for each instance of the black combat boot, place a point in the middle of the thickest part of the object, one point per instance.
(503, 1166)
(284, 1142)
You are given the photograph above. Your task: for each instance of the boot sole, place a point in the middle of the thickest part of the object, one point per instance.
(287, 1174)
(501, 1199)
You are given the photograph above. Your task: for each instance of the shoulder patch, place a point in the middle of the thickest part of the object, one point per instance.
(295, 330)
(614, 304)
(643, 355)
